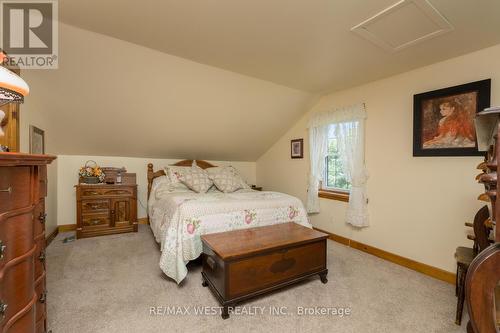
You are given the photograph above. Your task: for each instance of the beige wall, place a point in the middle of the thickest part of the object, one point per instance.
(417, 205)
(114, 98)
(68, 166)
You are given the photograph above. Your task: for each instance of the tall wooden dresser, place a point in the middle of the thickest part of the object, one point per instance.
(23, 188)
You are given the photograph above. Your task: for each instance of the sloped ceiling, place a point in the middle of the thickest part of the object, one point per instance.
(302, 44)
(114, 98)
(216, 79)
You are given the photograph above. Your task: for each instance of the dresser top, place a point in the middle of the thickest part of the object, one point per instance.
(104, 185)
(16, 159)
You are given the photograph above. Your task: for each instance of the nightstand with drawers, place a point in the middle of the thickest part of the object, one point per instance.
(105, 209)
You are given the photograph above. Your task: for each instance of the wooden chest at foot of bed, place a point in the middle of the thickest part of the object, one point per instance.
(241, 264)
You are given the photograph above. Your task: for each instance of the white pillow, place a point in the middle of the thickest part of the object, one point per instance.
(213, 171)
(225, 179)
(160, 186)
(174, 173)
(196, 179)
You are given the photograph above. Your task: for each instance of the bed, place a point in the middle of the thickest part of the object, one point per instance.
(178, 217)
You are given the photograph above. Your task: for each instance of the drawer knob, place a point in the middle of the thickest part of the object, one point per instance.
(41, 257)
(2, 249)
(43, 297)
(3, 309)
(9, 190)
(42, 217)
(95, 222)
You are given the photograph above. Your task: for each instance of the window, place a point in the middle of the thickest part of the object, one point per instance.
(337, 137)
(335, 184)
(335, 177)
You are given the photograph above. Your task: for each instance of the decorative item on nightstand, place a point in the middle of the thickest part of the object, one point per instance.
(113, 175)
(91, 173)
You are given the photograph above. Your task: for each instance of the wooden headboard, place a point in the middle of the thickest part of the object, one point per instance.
(154, 174)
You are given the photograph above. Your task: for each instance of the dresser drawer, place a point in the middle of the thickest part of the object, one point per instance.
(25, 323)
(16, 235)
(95, 220)
(96, 192)
(16, 287)
(95, 206)
(15, 188)
(255, 273)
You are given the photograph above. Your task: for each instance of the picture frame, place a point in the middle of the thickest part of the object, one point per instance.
(443, 119)
(297, 148)
(37, 140)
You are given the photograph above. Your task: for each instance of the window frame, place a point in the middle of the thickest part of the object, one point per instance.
(333, 194)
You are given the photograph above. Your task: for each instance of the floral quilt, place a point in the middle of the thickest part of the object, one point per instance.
(179, 219)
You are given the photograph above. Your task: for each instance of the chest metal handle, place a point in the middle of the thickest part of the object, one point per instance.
(9, 190)
(2, 249)
(42, 217)
(43, 297)
(3, 309)
(42, 256)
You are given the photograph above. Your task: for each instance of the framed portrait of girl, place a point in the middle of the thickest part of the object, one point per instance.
(443, 120)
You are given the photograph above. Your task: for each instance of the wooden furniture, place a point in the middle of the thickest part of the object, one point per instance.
(104, 209)
(241, 264)
(483, 277)
(23, 188)
(465, 255)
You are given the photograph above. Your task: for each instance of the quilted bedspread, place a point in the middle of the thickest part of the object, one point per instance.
(179, 219)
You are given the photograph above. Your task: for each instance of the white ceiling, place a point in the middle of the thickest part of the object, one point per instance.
(302, 44)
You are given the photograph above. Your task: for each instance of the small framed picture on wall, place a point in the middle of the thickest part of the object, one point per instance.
(297, 148)
(37, 141)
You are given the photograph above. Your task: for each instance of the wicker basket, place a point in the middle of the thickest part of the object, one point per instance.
(90, 180)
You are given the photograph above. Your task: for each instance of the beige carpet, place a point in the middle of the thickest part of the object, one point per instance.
(109, 284)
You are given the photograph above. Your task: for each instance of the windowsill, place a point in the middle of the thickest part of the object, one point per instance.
(334, 195)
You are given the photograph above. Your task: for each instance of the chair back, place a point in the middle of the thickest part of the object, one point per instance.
(481, 231)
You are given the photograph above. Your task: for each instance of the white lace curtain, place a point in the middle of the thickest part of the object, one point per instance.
(349, 125)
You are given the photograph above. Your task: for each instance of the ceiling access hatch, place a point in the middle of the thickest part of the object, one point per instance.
(403, 24)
